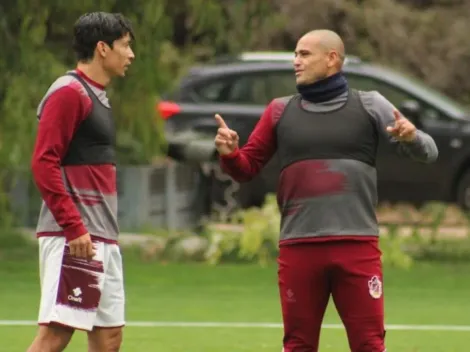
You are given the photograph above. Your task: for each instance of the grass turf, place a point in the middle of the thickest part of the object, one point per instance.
(430, 294)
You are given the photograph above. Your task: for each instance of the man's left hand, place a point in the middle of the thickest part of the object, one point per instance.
(403, 130)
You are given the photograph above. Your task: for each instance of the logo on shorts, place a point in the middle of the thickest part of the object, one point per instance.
(290, 296)
(375, 287)
(77, 292)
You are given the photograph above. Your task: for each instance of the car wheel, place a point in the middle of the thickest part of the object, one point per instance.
(463, 191)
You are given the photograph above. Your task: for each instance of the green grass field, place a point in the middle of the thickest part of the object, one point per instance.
(429, 294)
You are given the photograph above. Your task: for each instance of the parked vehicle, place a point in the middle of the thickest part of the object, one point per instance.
(240, 88)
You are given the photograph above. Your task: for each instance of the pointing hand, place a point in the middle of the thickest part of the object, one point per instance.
(226, 140)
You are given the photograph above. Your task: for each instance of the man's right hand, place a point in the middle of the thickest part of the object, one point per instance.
(226, 140)
(82, 247)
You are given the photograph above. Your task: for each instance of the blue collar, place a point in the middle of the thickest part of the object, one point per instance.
(325, 89)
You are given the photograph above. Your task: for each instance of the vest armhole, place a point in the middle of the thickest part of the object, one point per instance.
(89, 91)
(288, 100)
(372, 118)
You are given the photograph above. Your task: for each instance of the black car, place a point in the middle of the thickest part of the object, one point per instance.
(240, 88)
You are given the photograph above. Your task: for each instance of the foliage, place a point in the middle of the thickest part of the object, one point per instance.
(173, 35)
(14, 244)
(256, 239)
(385, 31)
(170, 36)
(393, 247)
(443, 250)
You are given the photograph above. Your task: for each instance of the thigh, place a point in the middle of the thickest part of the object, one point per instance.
(51, 253)
(357, 289)
(110, 312)
(70, 287)
(304, 292)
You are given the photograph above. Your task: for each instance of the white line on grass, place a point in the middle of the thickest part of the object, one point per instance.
(182, 324)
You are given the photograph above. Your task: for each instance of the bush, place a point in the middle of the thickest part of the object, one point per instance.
(252, 237)
(255, 239)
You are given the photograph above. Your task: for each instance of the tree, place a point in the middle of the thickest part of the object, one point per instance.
(170, 36)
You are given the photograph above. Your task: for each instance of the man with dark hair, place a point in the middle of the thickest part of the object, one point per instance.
(326, 138)
(73, 166)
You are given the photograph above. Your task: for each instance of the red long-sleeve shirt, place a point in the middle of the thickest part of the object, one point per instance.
(327, 185)
(244, 164)
(65, 106)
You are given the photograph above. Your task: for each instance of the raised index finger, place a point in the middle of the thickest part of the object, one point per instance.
(397, 115)
(220, 121)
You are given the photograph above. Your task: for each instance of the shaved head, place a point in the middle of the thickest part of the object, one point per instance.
(319, 53)
(329, 40)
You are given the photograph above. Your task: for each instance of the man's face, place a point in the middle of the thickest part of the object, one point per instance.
(116, 60)
(312, 60)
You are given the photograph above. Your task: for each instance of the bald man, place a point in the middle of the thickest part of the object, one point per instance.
(326, 137)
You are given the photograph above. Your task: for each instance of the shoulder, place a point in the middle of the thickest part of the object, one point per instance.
(70, 85)
(376, 104)
(278, 105)
(282, 100)
(373, 99)
(67, 90)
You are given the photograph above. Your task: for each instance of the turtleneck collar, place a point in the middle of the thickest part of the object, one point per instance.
(325, 89)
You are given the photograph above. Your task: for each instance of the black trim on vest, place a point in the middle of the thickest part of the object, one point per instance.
(347, 132)
(95, 139)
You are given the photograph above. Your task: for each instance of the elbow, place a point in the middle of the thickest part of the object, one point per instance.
(41, 167)
(433, 154)
(35, 166)
(432, 150)
(432, 158)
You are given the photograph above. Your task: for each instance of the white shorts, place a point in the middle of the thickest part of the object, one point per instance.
(78, 293)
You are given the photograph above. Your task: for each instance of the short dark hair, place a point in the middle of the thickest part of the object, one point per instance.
(93, 27)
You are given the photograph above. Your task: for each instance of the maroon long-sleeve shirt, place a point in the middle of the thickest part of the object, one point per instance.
(77, 199)
(242, 165)
(327, 185)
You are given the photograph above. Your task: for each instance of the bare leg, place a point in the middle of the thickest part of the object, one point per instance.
(52, 338)
(105, 339)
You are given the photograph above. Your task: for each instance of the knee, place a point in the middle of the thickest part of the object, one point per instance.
(105, 340)
(113, 341)
(52, 339)
(368, 343)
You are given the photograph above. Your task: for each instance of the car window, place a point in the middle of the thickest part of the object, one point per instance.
(249, 89)
(280, 84)
(212, 91)
(395, 95)
(262, 88)
(253, 89)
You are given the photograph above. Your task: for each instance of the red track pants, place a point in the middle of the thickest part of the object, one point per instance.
(351, 272)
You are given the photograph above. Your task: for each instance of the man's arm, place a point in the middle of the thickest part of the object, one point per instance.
(245, 163)
(422, 148)
(62, 113)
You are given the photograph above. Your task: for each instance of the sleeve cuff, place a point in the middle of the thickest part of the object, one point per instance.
(416, 141)
(232, 155)
(72, 233)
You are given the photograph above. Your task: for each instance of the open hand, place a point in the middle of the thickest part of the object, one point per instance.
(403, 130)
(226, 140)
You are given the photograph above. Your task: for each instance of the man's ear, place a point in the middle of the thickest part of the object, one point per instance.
(102, 48)
(333, 57)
